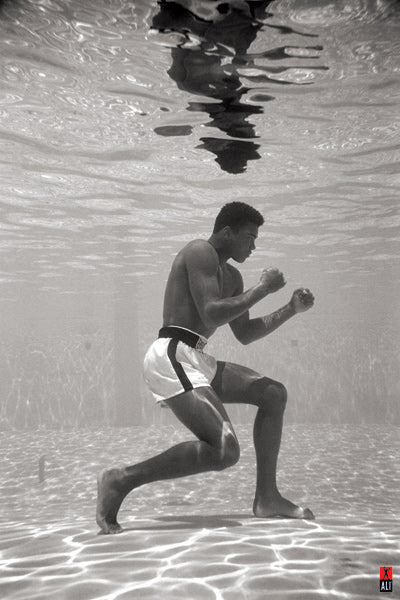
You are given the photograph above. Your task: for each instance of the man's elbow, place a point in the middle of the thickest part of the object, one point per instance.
(243, 337)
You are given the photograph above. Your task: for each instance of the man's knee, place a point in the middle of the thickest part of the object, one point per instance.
(273, 397)
(229, 452)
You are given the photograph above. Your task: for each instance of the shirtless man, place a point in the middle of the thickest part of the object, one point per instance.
(203, 292)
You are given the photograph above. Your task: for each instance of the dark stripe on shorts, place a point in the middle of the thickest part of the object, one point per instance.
(183, 378)
(216, 383)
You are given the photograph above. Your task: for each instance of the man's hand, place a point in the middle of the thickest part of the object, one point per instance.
(302, 300)
(272, 280)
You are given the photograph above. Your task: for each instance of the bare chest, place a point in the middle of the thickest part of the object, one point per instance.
(225, 282)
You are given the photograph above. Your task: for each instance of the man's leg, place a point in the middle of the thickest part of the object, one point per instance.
(234, 383)
(201, 411)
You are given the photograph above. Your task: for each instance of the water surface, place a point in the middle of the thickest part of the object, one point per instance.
(124, 127)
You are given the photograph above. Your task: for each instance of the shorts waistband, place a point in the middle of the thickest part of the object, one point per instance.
(183, 335)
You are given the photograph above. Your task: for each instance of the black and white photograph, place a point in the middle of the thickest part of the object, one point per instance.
(199, 299)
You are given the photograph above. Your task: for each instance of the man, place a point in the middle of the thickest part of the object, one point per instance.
(203, 292)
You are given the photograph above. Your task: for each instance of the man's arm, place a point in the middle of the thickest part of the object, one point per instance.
(205, 281)
(248, 330)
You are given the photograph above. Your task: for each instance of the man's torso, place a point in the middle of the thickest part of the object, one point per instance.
(179, 306)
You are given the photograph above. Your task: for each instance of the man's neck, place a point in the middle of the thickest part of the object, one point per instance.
(220, 248)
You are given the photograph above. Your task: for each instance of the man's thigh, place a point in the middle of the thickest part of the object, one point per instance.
(202, 411)
(236, 383)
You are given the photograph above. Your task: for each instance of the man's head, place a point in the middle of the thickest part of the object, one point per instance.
(236, 228)
(235, 215)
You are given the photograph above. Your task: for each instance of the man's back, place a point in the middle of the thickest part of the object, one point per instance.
(179, 305)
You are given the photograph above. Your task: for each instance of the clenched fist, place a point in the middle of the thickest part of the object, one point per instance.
(302, 300)
(272, 280)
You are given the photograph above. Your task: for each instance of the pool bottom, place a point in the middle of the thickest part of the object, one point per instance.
(196, 538)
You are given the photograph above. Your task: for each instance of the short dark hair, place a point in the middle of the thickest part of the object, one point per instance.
(236, 214)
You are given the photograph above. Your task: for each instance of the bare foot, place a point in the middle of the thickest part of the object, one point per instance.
(109, 499)
(280, 507)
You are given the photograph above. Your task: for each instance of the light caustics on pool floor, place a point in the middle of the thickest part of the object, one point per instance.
(196, 538)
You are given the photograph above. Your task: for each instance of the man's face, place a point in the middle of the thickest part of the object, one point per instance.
(243, 242)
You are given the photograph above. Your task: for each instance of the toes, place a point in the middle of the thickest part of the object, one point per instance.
(107, 528)
(115, 528)
(308, 514)
(118, 529)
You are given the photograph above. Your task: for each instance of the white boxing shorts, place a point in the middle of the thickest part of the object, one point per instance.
(176, 363)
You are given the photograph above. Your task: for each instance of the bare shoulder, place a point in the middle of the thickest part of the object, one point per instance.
(200, 254)
(236, 279)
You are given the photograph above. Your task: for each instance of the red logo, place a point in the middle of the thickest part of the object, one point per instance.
(386, 579)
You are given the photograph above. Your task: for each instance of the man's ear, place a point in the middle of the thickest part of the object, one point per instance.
(227, 232)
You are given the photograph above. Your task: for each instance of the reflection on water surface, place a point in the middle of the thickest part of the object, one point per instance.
(212, 60)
